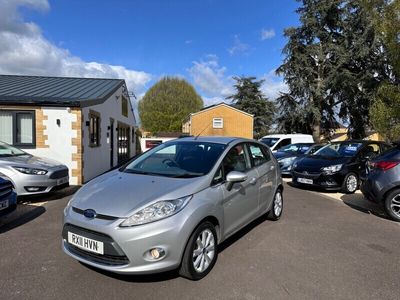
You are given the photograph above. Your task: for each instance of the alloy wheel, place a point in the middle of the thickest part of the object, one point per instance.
(278, 204)
(204, 252)
(351, 183)
(395, 205)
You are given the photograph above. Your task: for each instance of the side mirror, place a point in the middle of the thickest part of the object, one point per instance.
(235, 177)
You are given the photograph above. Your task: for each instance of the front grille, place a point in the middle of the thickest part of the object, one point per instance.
(113, 254)
(105, 259)
(98, 216)
(5, 189)
(307, 175)
(59, 174)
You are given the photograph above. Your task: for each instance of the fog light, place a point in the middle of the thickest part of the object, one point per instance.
(157, 253)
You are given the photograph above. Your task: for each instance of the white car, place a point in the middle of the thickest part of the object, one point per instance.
(277, 141)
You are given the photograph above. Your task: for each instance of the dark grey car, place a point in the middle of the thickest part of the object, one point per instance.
(382, 182)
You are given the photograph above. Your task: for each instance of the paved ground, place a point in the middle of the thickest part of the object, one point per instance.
(322, 248)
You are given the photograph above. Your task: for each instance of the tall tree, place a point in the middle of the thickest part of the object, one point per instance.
(385, 112)
(311, 55)
(249, 98)
(167, 103)
(334, 63)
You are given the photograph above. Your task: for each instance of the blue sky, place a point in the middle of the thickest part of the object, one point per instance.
(206, 42)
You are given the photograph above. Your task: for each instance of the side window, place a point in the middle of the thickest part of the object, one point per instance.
(257, 155)
(236, 160)
(283, 143)
(218, 177)
(371, 150)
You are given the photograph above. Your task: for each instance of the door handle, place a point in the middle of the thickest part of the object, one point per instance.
(253, 181)
(272, 168)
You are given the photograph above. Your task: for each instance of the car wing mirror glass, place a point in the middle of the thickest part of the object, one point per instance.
(235, 177)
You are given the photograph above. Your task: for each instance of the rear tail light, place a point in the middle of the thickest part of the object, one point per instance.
(383, 165)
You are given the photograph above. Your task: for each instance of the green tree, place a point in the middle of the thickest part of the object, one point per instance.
(334, 63)
(167, 103)
(249, 98)
(385, 112)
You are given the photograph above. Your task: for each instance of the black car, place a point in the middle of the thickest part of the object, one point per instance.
(288, 154)
(382, 182)
(336, 166)
(8, 197)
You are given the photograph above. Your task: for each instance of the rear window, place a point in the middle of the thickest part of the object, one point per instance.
(391, 154)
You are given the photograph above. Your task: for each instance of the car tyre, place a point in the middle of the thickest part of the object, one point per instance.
(392, 205)
(200, 253)
(277, 207)
(350, 183)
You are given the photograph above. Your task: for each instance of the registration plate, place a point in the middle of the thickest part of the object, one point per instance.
(3, 204)
(85, 243)
(305, 180)
(62, 180)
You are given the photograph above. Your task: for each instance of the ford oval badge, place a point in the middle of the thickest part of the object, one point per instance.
(89, 213)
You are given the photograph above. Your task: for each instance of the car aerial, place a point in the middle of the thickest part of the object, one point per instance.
(288, 154)
(336, 166)
(277, 141)
(170, 207)
(8, 197)
(382, 182)
(30, 174)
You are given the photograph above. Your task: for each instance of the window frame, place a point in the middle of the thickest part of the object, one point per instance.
(219, 126)
(97, 116)
(14, 114)
(263, 151)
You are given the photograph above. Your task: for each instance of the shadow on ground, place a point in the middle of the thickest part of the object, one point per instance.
(357, 202)
(22, 215)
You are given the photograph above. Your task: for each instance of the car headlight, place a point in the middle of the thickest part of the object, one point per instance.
(30, 171)
(332, 169)
(287, 161)
(156, 211)
(67, 207)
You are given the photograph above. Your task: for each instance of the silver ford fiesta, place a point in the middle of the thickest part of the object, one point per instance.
(171, 207)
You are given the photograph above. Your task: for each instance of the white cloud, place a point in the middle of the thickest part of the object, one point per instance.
(24, 50)
(238, 46)
(267, 34)
(273, 85)
(210, 78)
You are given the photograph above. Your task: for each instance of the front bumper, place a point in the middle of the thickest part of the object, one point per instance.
(12, 203)
(319, 180)
(126, 250)
(37, 184)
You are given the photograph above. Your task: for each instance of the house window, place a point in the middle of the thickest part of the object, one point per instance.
(124, 104)
(94, 129)
(218, 123)
(17, 128)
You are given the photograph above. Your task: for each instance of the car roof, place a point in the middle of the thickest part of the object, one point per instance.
(358, 141)
(215, 139)
(279, 135)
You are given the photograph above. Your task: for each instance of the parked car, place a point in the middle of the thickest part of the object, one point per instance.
(30, 174)
(277, 141)
(382, 183)
(8, 197)
(171, 207)
(336, 166)
(287, 155)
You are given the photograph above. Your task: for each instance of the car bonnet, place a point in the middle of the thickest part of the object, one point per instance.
(120, 194)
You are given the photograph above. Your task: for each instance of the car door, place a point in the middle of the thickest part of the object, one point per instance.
(261, 160)
(240, 204)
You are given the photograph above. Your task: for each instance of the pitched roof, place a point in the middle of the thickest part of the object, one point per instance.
(56, 91)
(221, 104)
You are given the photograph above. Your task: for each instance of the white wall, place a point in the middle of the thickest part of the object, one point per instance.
(97, 159)
(59, 138)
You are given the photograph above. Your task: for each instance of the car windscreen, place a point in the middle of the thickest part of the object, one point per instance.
(313, 149)
(269, 141)
(339, 149)
(8, 150)
(297, 148)
(183, 159)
